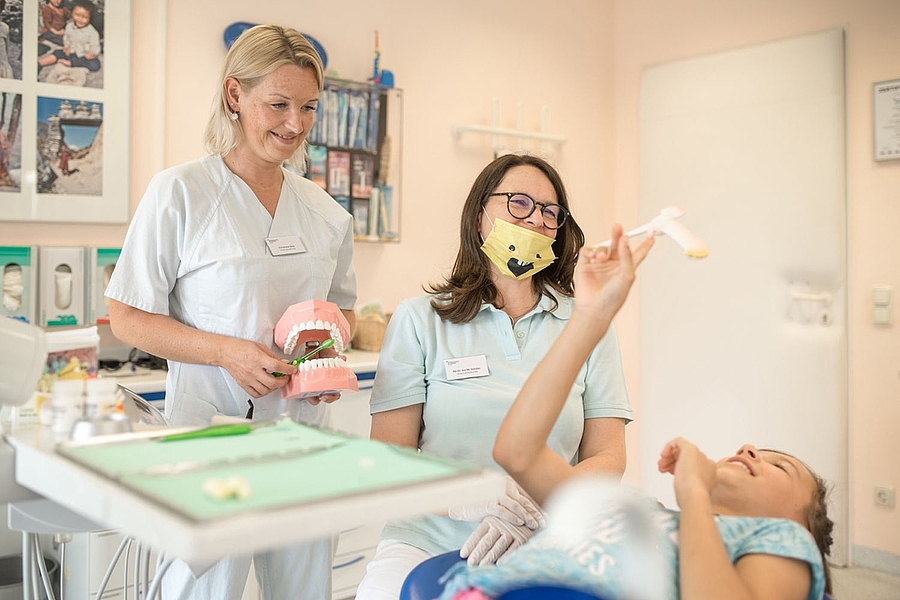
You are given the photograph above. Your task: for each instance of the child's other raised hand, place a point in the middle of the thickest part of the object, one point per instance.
(603, 277)
(695, 473)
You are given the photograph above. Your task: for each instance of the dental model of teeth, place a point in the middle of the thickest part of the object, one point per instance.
(313, 322)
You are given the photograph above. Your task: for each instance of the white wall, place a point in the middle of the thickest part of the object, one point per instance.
(450, 59)
(645, 36)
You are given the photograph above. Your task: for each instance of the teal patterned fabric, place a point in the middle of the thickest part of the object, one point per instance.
(626, 552)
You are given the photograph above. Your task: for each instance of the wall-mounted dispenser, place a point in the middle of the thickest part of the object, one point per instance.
(19, 269)
(101, 262)
(62, 286)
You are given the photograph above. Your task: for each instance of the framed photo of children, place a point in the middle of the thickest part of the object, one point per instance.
(65, 139)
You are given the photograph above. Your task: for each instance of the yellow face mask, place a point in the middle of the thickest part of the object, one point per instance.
(516, 251)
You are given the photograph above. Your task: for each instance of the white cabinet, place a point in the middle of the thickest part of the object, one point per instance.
(88, 556)
(350, 414)
(356, 546)
(355, 549)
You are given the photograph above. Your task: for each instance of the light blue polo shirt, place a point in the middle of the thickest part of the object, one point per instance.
(462, 416)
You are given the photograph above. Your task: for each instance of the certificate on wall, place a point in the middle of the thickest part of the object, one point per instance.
(887, 119)
(65, 79)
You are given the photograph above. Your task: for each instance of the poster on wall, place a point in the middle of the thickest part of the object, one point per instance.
(887, 119)
(65, 110)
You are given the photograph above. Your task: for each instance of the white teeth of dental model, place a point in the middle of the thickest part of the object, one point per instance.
(291, 342)
(338, 339)
(321, 363)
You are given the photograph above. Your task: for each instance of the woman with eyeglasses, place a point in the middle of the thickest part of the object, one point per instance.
(453, 361)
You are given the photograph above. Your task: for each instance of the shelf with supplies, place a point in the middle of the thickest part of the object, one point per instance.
(355, 151)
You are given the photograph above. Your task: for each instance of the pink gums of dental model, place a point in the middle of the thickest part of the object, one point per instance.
(315, 321)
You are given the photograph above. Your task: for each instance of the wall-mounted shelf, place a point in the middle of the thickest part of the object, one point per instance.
(355, 154)
(458, 130)
(549, 143)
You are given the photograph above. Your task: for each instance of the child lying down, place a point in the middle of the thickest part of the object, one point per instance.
(750, 526)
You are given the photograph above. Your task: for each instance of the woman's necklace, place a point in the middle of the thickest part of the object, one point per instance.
(516, 318)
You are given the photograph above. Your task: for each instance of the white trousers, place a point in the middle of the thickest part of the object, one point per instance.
(301, 572)
(388, 569)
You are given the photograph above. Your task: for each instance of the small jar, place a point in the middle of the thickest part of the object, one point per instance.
(101, 397)
(67, 403)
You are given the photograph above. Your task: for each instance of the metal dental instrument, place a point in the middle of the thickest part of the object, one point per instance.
(192, 466)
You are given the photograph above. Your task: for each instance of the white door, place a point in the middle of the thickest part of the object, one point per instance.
(749, 344)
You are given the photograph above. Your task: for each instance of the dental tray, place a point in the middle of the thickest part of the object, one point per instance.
(287, 463)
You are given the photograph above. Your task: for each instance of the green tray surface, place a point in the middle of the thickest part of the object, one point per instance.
(285, 463)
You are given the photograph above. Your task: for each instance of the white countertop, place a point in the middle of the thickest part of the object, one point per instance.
(142, 380)
(361, 361)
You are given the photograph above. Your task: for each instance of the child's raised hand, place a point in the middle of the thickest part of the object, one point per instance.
(695, 473)
(603, 277)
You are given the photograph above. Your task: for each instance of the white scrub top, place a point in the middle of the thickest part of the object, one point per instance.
(196, 251)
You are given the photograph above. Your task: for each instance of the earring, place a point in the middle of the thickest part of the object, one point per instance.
(234, 116)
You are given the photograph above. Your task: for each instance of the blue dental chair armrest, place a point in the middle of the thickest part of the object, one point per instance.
(422, 583)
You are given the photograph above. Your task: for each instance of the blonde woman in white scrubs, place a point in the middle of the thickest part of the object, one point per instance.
(201, 280)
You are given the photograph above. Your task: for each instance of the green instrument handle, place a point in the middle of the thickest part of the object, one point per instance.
(214, 431)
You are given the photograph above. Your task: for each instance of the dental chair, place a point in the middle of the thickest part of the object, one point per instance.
(424, 583)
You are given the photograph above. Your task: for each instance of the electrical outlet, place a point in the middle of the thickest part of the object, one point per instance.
(884, 496)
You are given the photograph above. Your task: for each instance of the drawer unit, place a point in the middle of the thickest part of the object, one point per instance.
(348, 571)
(356, 546)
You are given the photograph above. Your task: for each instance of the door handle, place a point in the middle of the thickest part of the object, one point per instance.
(822, 297)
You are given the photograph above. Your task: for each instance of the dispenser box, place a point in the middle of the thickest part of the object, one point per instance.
(63, 286)
(101, 262)
(19, 267)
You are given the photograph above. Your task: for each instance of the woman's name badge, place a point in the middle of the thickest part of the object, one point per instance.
(466, 367)
(288, 244)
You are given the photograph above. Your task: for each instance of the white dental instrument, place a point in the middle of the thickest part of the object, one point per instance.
(665, 223)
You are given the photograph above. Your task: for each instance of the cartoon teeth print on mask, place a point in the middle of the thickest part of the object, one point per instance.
(312, 322)
(517, 252)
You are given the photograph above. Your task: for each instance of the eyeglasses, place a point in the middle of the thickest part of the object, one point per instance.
(522, 205)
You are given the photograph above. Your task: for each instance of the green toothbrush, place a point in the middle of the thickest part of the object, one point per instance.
(296, 362)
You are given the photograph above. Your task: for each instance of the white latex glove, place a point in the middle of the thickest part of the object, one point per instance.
(514, 506)
(493, 540)
(12, 289)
